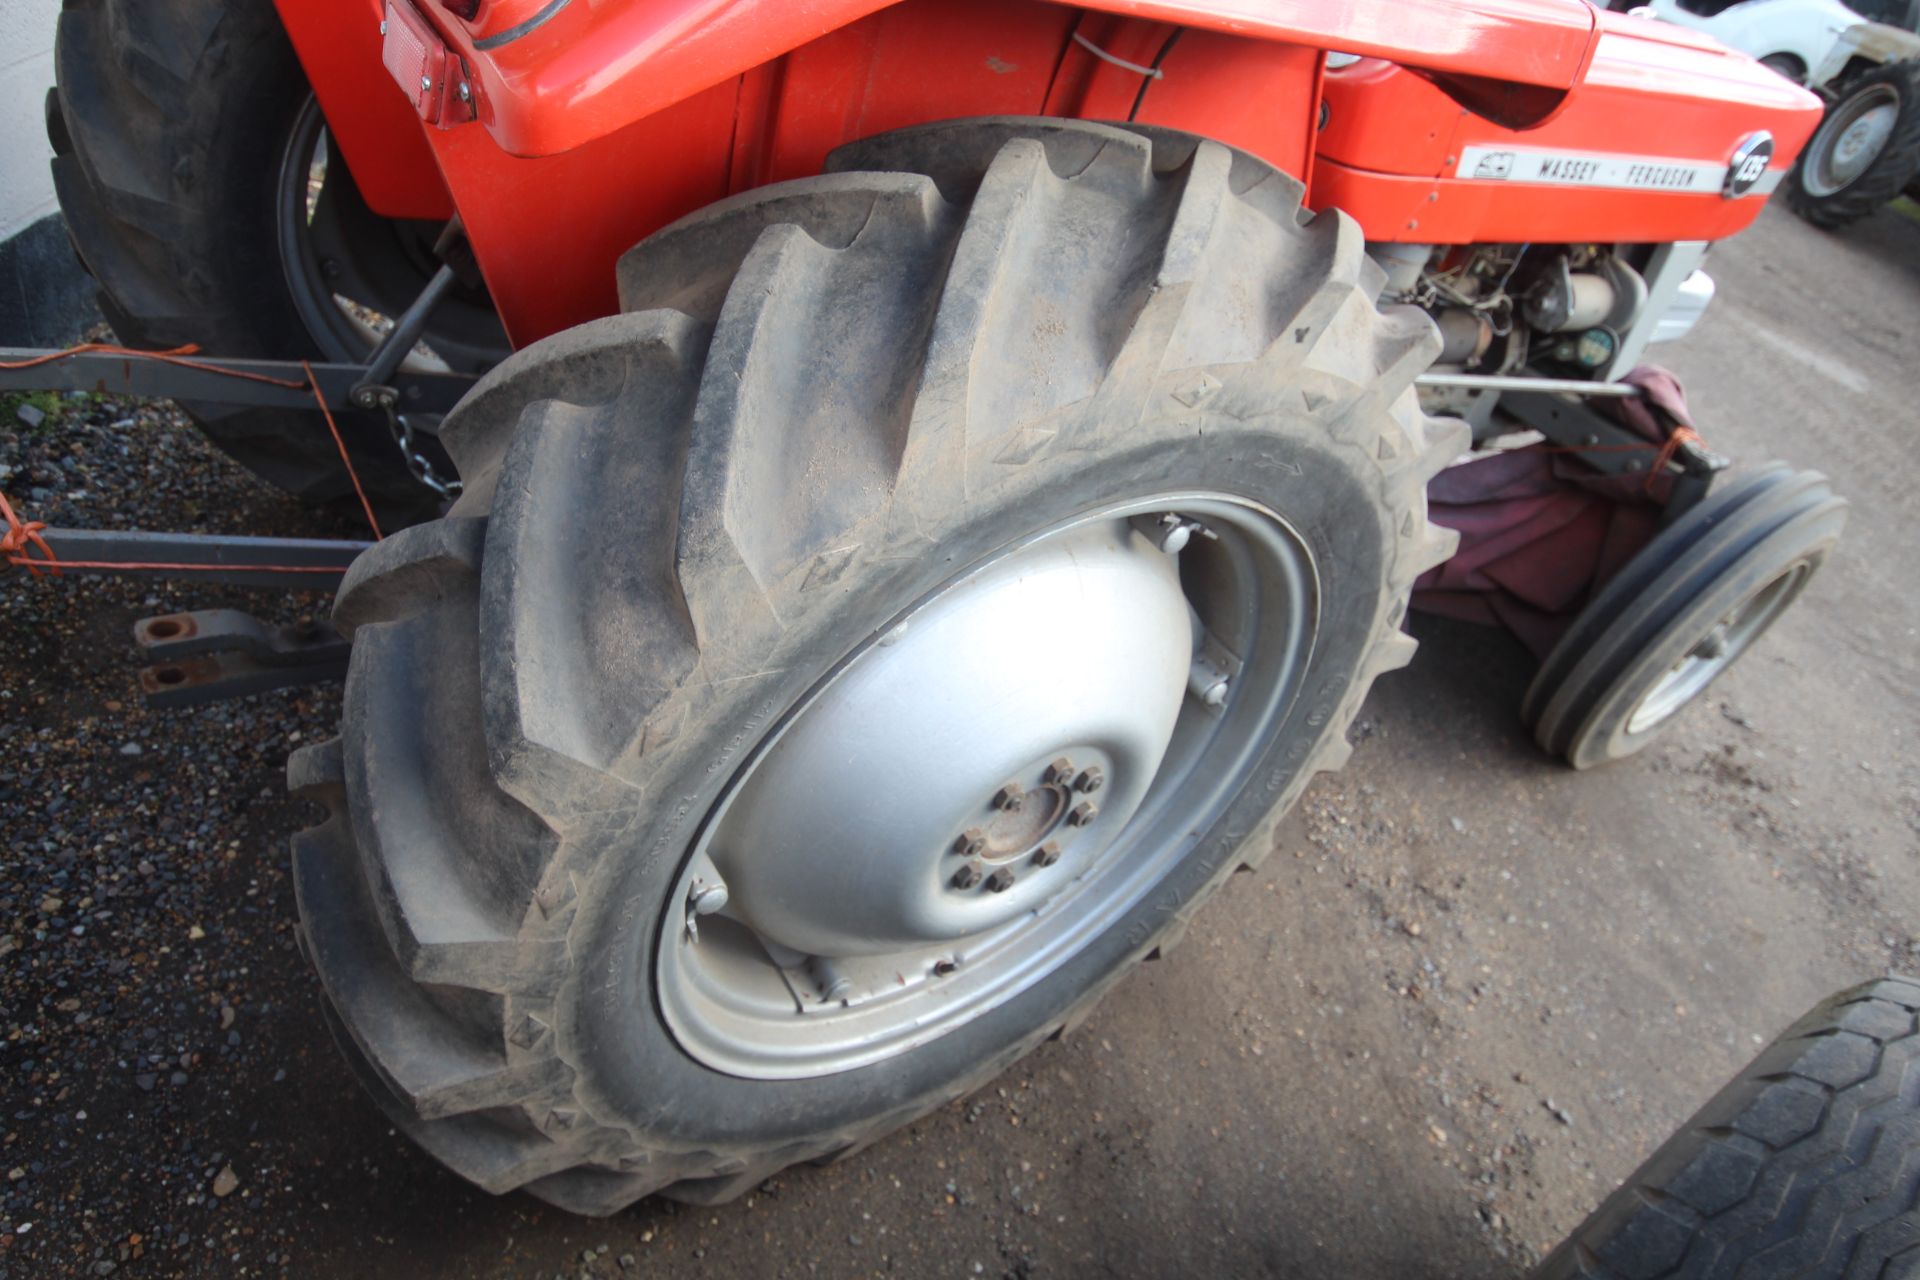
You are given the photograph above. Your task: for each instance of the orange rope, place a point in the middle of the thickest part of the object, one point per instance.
(22, 538)
(341, 445)
(171, 356)
(1677, 437)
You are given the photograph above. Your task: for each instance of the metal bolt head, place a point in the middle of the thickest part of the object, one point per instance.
(466, 92)
(1091, 779)
(966, 877)
(707, 899)
(383, 26)
(1216, 694)
(1008, 797)
(426, 83)
(971, 843)
(1083, 813)
(1001, 880)
(1047, 854)
(1060, 772)
(941, 968)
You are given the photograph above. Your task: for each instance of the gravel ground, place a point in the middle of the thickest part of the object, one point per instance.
(1470, 992)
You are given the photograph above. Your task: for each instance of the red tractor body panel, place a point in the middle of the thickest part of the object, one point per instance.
(1658, 115)
(603, 122)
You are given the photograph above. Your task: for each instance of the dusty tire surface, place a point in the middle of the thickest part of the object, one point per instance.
(1889, 173)
(168, 123)
(822, 401)
(1584, 703)
(1806, 1165)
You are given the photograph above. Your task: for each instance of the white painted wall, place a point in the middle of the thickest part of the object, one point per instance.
(26, 73)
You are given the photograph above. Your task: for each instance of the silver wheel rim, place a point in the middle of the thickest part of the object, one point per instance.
(1717, 650)
(1850, 140)
(840, 905)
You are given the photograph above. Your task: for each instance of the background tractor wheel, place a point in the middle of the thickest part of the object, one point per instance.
(844, 664)
(1802, 1168)
(1866, 150)
(194, 173)
(1682, 611)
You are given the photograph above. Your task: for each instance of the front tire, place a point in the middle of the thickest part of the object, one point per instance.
(841, 420)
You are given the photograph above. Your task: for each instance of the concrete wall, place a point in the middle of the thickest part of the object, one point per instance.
(46, 298)
(26, 73)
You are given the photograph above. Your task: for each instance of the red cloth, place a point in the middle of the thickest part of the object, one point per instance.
(1540, 530)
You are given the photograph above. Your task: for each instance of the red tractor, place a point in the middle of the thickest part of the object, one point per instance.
(887, 501)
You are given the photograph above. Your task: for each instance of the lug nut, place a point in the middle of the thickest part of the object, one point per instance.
(1001, 880)
(1083, 813)
(1047, 854)
(967, 876)
(971, 843)
(1091, 779)
(1060, 772)
(1009, 797)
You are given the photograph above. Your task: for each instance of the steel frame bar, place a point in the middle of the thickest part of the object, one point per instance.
(300, 564)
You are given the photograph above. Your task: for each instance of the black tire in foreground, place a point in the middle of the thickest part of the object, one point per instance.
(174, 126)
(1866, 150)
(1806, 1166)
(829, 411)
(1682, 611)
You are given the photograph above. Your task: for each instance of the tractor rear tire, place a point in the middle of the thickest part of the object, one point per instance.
(1803, 1168)
(170, 123)
(1851, 166)
(831, 409)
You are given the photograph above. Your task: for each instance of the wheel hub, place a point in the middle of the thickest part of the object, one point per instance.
(958, 743)
(1850, 141)
(986, 787)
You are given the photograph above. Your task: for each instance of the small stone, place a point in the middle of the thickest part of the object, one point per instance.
(130, 749)
(226, 1016)
(177, 1078)
(195, 933)
(627, 1260)
(15, 1174)
(1559, 1112)
(49, 905)
(146, 1080)
(1457, 824)
(226, 1182)
(30, 414)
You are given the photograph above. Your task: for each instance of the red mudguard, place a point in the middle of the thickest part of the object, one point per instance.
(566, 130)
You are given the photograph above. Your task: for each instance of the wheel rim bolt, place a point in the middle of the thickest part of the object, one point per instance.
(971, 844)
(1047, 854)
(1060, 772)
(1008, 797)
(967, 876)
(1083, 813)
(1001, 880)
(1091, 779)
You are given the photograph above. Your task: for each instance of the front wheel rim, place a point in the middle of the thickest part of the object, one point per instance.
(1717, 650)
(1850, 140)
(755, 1006)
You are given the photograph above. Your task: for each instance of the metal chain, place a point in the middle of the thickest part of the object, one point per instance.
(417, 463)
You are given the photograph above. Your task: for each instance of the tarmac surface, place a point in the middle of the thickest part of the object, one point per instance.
(1467, 994)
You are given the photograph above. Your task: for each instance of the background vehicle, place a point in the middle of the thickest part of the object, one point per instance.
(1797, 38)
(925, 532)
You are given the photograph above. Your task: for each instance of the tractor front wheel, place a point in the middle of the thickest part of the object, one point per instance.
(845, 663)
